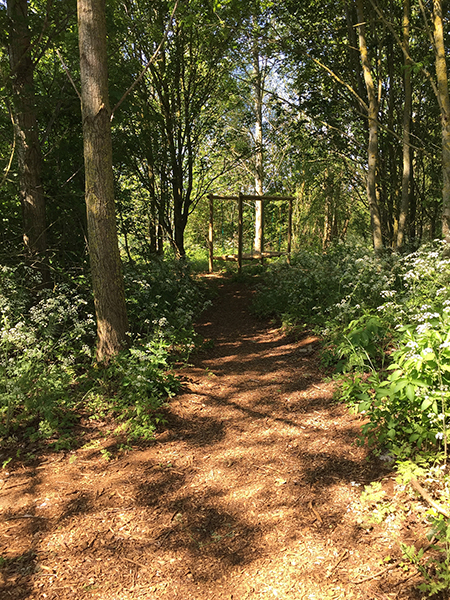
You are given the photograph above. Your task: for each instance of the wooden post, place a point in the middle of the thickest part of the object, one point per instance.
(240, 218)
(262, 231)
(211, 230)
(289, 240)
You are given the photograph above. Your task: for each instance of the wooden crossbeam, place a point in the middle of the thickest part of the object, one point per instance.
(254, 256)
(250, 197)
(240, 256)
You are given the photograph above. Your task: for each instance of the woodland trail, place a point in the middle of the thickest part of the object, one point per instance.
(251, 490)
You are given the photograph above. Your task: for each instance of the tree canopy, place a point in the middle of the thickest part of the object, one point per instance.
(334, 79)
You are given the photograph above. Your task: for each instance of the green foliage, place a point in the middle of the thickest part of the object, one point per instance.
(162, 300)
(385, 320)
(436, 569)
(362, 341)
(132, 388)
(47, 339)
(336, 285)
(411, 404)
(338, 292)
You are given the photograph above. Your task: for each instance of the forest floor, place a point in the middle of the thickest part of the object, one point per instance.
(252, 490)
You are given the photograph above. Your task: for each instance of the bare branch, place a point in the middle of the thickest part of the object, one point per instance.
(68, 73)
(8, 166)
(339, 80)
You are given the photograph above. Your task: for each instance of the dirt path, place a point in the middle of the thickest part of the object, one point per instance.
(250, 492)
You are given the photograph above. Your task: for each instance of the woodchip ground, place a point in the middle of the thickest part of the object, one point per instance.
(252, 489)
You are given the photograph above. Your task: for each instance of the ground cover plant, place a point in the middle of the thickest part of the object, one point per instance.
(385, 325)
(48, 375)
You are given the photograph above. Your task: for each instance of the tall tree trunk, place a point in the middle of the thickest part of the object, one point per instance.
(373, 133)
(391, 175)
(29, 151)
(107, 279)
(444, 103)
(407, 112)
(259, 164)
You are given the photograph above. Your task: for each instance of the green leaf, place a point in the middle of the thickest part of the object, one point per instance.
(410, 392)
(426, 403)
(418, 382)
(393, 366)
(396, 374)
(400, 385)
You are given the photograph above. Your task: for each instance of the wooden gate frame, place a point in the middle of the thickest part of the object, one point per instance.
(240, 255)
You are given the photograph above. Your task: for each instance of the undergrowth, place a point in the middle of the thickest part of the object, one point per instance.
(48, 376)
(385, 326)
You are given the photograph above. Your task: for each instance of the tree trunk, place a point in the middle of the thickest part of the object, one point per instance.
(390, 173)
(107, 280)
(259, 168)
(407, 111)
(29, 151)
(373, 133)
(444, 104)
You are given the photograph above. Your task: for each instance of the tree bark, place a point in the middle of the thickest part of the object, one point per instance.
(259, 164)
(107, 279)
(372, 116)
(444, 104)
(31, 193)
(407, 111)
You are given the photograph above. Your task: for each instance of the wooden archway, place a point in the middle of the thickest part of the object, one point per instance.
(240, 256)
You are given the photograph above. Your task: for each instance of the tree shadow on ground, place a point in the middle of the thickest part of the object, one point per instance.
(245, 473)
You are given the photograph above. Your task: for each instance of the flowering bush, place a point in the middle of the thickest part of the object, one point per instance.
(162, 301)
(386, 319)
(47, 342)
(411, 406)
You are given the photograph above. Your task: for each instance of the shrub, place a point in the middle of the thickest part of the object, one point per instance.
(387, 321)
(47, 340)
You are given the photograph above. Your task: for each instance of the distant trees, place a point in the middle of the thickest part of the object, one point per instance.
(345, 102)
(388, 102)
(173, 118)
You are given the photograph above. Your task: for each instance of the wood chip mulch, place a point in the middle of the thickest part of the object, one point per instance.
(252, 489)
